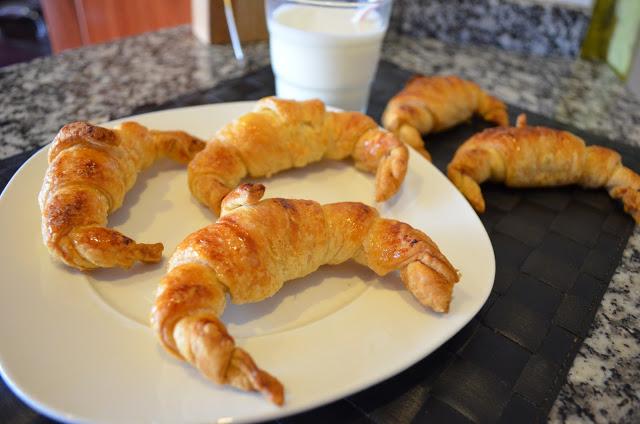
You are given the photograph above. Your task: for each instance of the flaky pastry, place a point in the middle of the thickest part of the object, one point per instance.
(525, 156)
(90, 170)
(282, 134)
(436, 103)
(254, 248)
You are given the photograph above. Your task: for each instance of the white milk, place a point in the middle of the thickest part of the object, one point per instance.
(322, 52)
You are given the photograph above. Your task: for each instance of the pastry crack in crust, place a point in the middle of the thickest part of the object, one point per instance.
(90, 170)
(254, 248)
(436, 103)
(525, 156)
(282, 134)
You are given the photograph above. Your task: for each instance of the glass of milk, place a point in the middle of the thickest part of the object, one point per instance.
(326, 49)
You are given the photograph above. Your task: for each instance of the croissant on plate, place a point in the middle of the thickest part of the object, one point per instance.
(254, 247)
(432, 104)
(281, 134)
(90, 170)
(524, 156)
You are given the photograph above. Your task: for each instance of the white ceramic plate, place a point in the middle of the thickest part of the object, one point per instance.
(77, 346)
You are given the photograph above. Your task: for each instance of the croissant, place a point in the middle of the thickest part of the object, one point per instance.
(281, 134)
(432, 104)
(90, 170)
(254, 247)
(524, 156)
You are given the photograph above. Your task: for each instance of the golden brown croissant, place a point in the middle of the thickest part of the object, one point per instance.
(525, 156)
(254, 247)
(90, 170)
(281, 134)
(432, 104)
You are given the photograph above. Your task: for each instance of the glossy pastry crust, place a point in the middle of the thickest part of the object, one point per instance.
(436, 103)
(254, 248)
(525, 156)
(282, 134)
(90, 170)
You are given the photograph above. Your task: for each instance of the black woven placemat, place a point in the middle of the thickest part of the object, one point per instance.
(556, 250)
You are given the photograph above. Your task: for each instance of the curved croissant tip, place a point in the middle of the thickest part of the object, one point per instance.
(244, 194)
(276, 393)
(248, 190)
(252, 187)
(382, 197)
(521, 121)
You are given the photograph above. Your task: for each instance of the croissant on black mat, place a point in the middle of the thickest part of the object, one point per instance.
(432, 104)
(525, 156)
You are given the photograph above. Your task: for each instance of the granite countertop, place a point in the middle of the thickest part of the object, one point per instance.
(111, 80)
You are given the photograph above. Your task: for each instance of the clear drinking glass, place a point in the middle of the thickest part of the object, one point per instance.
(326, 49)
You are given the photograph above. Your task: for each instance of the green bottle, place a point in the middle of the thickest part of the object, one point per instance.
(612, 36)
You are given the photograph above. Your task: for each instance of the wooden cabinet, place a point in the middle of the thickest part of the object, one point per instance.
(75, 23)
(210, 24)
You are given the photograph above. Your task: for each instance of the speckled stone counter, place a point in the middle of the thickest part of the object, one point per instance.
(526, 26)
(111, 80)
